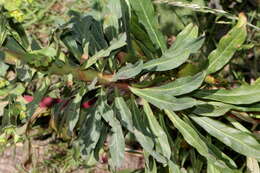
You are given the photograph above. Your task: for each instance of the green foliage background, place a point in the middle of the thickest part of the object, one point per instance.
(180, 77)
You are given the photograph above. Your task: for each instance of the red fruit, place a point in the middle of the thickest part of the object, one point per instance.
(28, 98)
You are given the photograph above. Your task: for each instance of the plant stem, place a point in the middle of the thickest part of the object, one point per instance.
(89, 75)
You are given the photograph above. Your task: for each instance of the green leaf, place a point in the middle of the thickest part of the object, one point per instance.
(189, 134)
(212, 109)
(124, 113)
(239, 141)
(87, 30)
(143, 134)
(185, 40)
(216, 109)
(142, 38)
(207, 150)
(164, 64)
(145, 11)
(173, 58)
(3, 67)
(180, 86)
(173, 167)
(38, 96)
(73, 47)
(90, 132)
(16, 89)
(117, 146)
(165, 101)
(161, 137)
(72, 111)
(129, 71)
(248, 108)
(43, 56)
(116, 142)
(228, 46)
(126, 15)
(217, 157)
(150, 164)
(18, 32)
(3, 29)
(242, 95)
(115, 44)
(212, 169)
(185, 44)
(237, 125)
(111, 19)
(24, 72)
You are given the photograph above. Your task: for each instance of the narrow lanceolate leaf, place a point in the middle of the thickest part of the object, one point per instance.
(212, 109)
(126, 15)
(142, 133)
(165, 101)
(174, 56)
(90, 132)
(129, 71)
(242, 95)
(180, 86)
(145, 12)
(72, 111)
(164, 64)
(186, 43)
(73, 47)
(115, 44)
(111, 22)
(117, 146)
(248, 108)
(189, 134)
(217, 157)
(124, 113)
(193, 138)
(239, 141)
(116, 142)
(185, 38)
(3, 29)
(228, 46)
(157, 130)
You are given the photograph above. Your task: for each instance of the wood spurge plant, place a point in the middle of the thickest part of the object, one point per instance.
(111, 73)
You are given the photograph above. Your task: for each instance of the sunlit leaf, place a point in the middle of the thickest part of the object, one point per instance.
(239, 141)
(241, 95)
(160, 136)
(146, 15)
(115, 44)
(228, 45)
(142, 133)
(128, 71)
(165, 101)
(180, 86)
(186, 43)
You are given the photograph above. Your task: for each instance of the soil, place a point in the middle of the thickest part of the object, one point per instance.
(15, 159)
